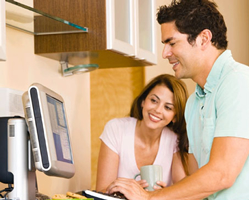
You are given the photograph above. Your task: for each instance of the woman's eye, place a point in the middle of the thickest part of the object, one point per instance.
(153, 100)
(172, 44)
(168, 108)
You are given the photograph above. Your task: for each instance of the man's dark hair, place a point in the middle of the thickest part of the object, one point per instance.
(193, 16)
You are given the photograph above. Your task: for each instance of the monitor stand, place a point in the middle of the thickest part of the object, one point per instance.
(20, 161)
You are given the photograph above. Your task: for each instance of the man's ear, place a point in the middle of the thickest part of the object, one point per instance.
(206, 37)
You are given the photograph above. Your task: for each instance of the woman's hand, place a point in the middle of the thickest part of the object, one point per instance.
(160, 185)
(143, 183)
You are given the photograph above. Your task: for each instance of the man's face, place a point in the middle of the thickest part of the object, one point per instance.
(183, 56)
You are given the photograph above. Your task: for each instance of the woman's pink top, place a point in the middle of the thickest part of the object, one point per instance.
(119, 136)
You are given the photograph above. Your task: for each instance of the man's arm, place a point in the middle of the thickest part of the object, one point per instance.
(227, 158)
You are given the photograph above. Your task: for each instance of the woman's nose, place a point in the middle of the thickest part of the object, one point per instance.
(159, 108)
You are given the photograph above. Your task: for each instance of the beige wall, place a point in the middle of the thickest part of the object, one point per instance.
(236, 16)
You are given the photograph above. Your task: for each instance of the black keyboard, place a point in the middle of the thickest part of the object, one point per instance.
(103, 196)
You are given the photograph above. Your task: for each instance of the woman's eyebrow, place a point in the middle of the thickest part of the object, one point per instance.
(156, 96)
(170, 103)
(159, 99)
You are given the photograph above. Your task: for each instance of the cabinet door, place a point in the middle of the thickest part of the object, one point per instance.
(145, 19)
(120, 26)
(2, 31)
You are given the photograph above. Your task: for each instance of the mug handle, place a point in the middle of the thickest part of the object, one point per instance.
(137, 176)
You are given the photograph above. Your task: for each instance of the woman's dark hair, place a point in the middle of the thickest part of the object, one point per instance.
(180, 96)
(193, 16)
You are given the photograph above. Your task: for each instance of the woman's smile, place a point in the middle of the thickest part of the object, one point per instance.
(154, 118)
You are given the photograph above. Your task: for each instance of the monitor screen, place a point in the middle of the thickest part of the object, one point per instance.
(59, 129)
(50, 139)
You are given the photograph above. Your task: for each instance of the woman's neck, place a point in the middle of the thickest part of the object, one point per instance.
(147, 135)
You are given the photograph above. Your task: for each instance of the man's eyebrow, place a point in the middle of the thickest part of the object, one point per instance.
(167, 40)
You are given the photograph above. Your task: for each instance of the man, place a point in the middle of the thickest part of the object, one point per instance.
(217, 113)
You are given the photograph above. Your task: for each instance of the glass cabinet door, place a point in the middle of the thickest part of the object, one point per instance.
(131, 28)
(145, 30)
(120, 26)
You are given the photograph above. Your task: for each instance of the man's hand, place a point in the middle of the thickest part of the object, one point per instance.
(129, 187)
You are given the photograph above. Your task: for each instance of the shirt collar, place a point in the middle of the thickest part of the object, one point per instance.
(214, 74)
(199, 92)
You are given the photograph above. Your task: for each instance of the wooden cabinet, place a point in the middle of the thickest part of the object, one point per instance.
(115, 36)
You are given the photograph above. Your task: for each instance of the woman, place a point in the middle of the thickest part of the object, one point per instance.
(155, 133)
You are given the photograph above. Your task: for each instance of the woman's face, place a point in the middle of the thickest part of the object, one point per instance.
(158, 108)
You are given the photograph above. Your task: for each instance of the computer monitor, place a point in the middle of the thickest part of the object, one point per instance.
(46, 118)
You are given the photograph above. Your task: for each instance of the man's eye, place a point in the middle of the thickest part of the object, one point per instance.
(172, 44)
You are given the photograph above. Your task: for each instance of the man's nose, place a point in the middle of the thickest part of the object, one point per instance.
(166, 51)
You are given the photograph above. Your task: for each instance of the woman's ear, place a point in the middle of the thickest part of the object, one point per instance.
(142, 104)
(174, 119)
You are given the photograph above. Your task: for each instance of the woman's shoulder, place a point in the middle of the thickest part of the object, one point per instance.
(120, 126)
(168, 133)
(121, 123)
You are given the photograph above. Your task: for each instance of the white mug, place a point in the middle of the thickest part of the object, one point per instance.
(152, 174)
